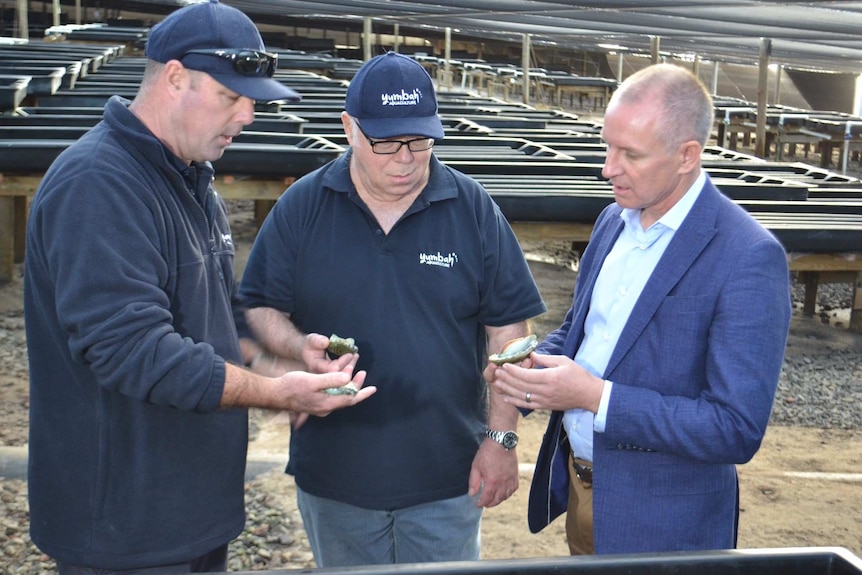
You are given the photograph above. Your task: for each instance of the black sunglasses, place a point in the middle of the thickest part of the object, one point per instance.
(246, 62)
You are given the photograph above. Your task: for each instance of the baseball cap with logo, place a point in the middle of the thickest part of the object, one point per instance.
(223, 42)
(392, 95)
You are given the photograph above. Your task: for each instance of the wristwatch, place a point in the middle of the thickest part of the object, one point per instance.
(508, 439)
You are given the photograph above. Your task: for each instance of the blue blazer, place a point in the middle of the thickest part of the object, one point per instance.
(694, 372)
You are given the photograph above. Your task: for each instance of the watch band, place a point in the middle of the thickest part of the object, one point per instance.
(508, 439)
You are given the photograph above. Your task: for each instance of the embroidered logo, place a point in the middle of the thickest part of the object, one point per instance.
(402, 99)
(227, 239)
(438, 259)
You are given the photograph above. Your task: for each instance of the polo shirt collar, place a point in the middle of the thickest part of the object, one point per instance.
(441, 183)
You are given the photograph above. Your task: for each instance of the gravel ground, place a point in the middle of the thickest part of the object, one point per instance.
(820, 387)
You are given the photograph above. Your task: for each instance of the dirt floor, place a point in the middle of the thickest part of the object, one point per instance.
(781, 506)
(803, 489)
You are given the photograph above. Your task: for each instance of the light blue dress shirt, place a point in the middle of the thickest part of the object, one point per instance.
(619, 284)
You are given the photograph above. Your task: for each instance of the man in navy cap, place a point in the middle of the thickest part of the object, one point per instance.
(415, 262)
(138, 430)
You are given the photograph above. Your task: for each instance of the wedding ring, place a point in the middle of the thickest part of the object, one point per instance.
(528, 397)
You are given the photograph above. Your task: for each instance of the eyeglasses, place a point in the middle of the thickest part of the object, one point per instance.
(389, 147)
(246, 62)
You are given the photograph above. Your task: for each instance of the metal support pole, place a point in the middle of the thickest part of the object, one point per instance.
(715, 78)
(857, 96)
(778, 73)
(655, 49)
(620, 60)
(762, 88)
(525, 66)
(23, 22)
(366, 39)
(447, 56)
(726, 129)
(845, 146)
(396, 33)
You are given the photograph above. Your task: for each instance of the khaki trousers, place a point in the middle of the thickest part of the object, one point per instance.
(579, 514)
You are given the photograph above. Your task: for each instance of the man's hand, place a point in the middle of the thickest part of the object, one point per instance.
(494, 474)
(295, 391)
(303, 392)
(561, 385)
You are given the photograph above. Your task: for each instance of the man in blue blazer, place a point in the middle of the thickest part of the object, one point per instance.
(662, 376)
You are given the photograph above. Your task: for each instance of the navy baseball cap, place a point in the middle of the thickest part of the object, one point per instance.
(392, 95)
(223, 42)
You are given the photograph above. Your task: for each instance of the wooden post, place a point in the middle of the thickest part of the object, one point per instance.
(22, 203)
(809, 301)
(856, 305)
(7, 238)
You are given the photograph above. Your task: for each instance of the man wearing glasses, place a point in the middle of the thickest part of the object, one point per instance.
(415, 262)
(138, 431)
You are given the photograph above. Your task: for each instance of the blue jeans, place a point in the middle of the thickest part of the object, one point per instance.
(343, 535)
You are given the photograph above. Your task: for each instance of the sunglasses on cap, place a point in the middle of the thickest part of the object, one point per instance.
(246, 62)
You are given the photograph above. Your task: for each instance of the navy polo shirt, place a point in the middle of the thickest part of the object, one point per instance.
(416, 301)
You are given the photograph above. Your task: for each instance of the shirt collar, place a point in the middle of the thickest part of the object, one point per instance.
(676, 215)
(441, 184)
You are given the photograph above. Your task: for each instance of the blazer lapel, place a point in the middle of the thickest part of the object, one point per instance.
(603, 241)
(690, 239)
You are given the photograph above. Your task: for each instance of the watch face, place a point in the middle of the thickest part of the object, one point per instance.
(510, 440)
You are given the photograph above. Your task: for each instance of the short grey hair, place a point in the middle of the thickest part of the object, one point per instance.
(684, 106)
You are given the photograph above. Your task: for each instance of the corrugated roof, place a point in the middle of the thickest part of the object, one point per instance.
(817, 35)
(809, 35)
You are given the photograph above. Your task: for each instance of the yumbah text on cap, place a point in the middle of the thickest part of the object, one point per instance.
(392, 95)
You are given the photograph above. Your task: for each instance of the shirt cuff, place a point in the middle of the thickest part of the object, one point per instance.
(602, 414)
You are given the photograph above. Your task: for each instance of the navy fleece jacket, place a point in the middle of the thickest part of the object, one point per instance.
(128, 301)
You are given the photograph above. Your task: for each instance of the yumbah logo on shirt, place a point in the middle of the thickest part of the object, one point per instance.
(438, 259)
